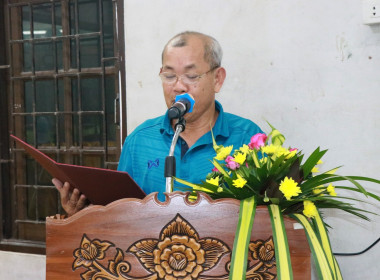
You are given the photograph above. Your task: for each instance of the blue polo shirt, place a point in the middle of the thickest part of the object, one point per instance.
(145, 149)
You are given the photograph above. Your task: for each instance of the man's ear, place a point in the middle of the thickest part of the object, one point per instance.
(220, 75)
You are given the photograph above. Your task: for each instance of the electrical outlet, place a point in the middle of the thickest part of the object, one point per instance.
(371, 11)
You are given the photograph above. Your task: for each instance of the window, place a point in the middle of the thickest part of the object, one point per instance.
(60, 85)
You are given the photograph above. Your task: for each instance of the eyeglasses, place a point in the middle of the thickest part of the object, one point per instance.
(171, 78)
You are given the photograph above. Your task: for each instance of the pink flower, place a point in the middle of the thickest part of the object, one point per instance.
(257, 141)
(215, 169)
(293, 149)
(231, 163)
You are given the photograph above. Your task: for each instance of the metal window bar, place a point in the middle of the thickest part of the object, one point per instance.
(57, 74)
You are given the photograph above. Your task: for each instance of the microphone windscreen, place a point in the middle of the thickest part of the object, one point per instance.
(188, 97)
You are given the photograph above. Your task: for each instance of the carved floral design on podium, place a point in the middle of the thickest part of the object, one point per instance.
(178, 254)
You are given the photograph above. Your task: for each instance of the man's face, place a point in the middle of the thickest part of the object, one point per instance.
(190, 59)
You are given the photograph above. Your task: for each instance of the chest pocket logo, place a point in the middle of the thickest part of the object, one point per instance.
(153, 163)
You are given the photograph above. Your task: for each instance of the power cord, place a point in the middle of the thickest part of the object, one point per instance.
(358, 253)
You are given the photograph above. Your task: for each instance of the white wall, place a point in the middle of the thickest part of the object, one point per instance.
(311, 68)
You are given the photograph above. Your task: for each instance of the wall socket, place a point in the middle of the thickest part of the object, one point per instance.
(371, 11)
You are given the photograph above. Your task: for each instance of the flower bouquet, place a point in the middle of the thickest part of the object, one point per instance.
(263, 172)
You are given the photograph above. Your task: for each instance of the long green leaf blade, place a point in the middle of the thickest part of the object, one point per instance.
(242, 238)
(220, 168)
(312, 161)
(321, 262)
(284, 266)
(325, 242)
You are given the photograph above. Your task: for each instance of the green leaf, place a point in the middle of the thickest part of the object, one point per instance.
(361, 178)
(324, 179)
(356, 190)
(321, 263)
(220, 168)
(276, 164)
(277, 138)
(284, 266)
(274, 200)
(315, 181)
(312, 161)
(213, 138)
(242, 239)
(193, 186)
(325, 242)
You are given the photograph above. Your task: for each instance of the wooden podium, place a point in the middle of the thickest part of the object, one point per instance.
(173, 240)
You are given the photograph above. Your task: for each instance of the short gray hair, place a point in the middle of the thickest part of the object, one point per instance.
(212, 50)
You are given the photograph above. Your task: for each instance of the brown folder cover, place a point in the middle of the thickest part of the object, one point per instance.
(100, 186)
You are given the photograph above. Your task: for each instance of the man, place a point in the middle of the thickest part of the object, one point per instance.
(191, 63)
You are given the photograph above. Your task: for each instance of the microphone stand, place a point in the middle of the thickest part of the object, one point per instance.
(170, 159)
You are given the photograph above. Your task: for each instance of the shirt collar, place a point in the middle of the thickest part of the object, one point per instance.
(166, 126)
(221, 125)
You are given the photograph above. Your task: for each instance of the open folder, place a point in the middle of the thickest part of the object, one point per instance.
(100, 186)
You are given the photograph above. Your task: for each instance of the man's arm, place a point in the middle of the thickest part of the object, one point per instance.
(72, 202)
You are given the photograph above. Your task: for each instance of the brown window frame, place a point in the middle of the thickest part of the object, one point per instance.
(6, 199)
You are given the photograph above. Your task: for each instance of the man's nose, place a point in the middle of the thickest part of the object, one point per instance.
(180, 86)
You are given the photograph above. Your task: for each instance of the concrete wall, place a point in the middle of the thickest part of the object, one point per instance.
(21, 266)
(311, 68)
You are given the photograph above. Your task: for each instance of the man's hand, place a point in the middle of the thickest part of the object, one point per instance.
(71, 202)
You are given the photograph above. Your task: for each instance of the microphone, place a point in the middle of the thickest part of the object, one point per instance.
(183, 104)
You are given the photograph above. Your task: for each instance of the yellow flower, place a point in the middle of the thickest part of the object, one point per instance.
(331, 190)
(240, 158)
(269, 149)
(332, 171)
(244, 149)
(263, 160)
(280, 151)
(309, 209)
(319, 162)
(223, 152)
(239, 182)
(315, 169)
(220, 189)
(289, 188)
(318, 190)
(292, 153)
(213, 181)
